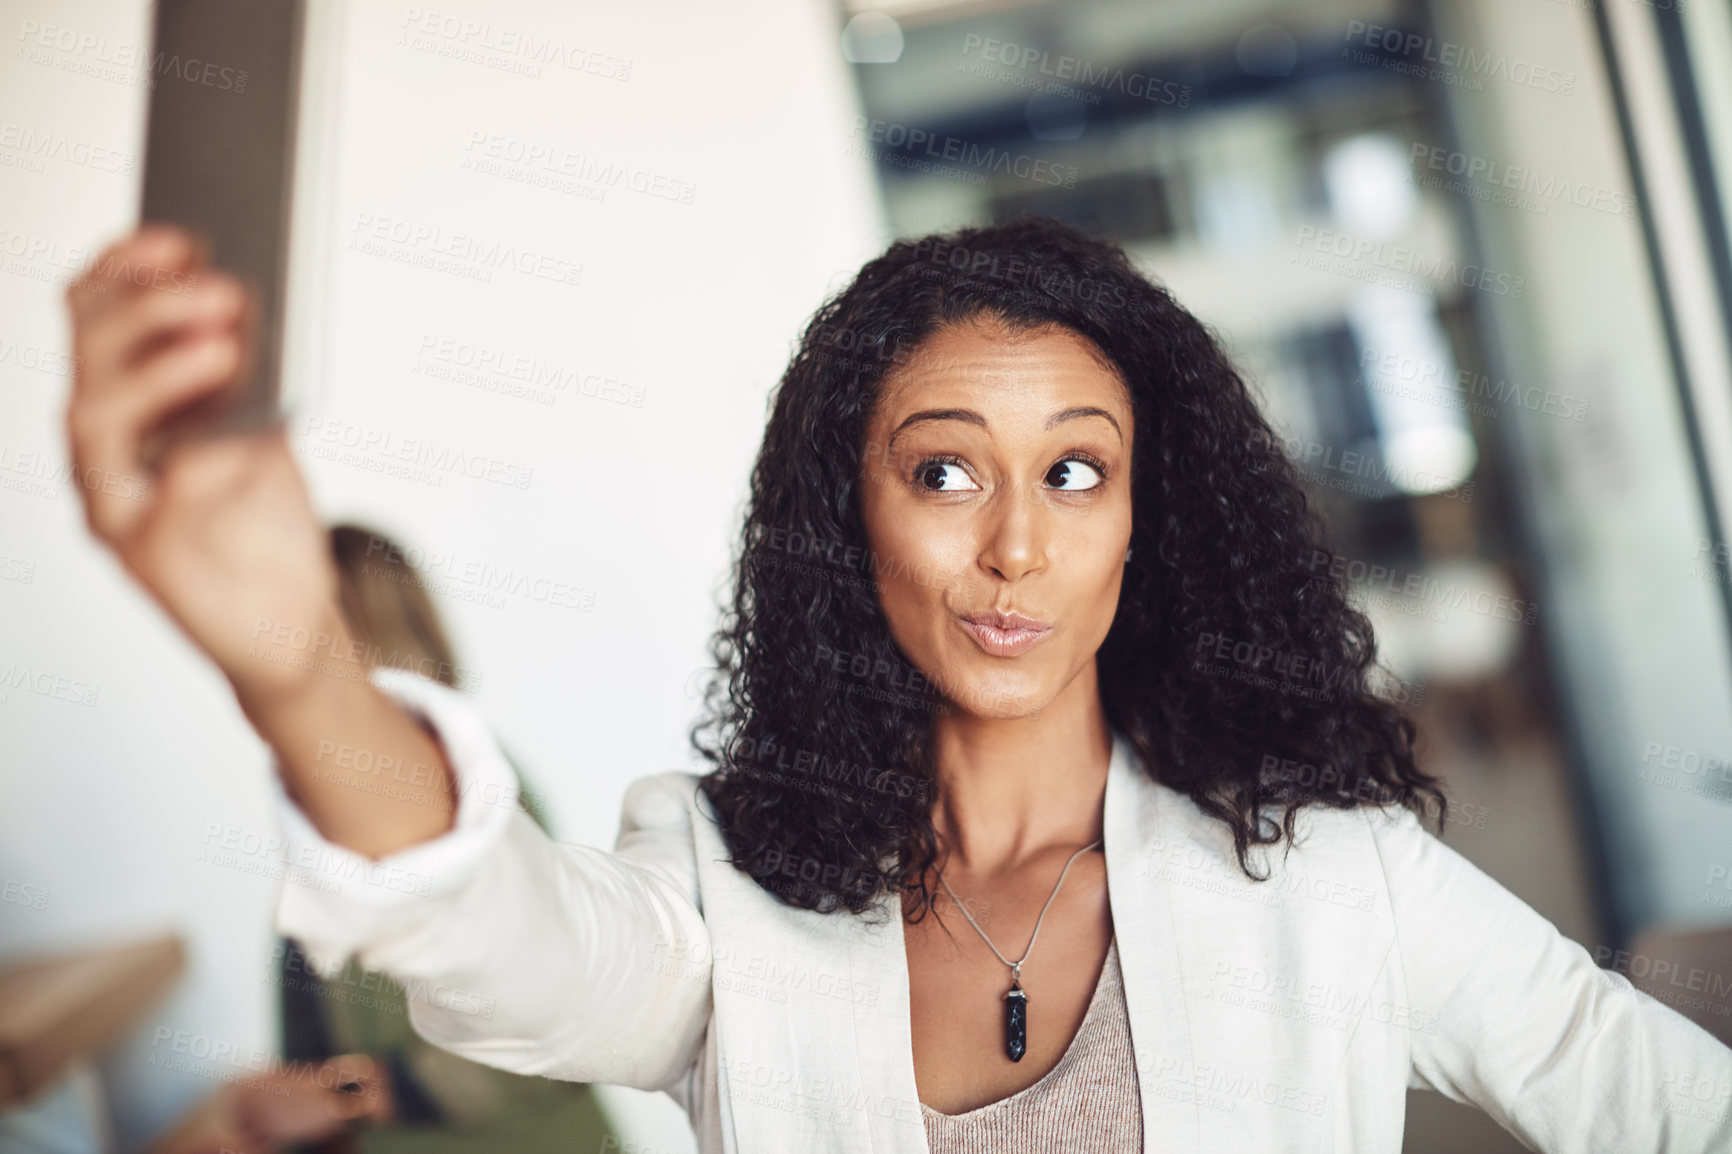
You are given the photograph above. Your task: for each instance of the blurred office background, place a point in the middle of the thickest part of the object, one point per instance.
(1473, 256)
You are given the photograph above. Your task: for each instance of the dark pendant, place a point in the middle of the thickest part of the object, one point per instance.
(1015, 1023)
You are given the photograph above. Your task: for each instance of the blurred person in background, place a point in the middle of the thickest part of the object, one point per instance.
(357, 1077)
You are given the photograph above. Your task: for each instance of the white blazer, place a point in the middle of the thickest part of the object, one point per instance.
(1285, 1016)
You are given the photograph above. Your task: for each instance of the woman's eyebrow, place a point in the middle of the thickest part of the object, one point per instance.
(968, 415)
(1058, 419)
(975, 418)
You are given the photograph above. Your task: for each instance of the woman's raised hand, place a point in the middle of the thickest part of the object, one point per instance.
(222, 532)
(219, 530)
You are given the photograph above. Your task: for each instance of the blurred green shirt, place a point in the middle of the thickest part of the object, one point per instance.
(446, 1104)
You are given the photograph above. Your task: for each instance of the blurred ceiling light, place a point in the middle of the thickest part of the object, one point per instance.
(1267, 50)
(872, 38)
(1408, 373)
(1369, 186)
(1430, 458)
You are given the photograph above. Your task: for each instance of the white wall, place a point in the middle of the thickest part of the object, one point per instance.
(693, 306)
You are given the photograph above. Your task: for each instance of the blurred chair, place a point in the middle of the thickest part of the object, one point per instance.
(57, 1015)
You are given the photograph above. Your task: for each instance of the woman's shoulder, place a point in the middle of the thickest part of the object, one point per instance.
(660, 800)
(1168, 823)
(656, 827)
(1344, 857)
(1319, 829)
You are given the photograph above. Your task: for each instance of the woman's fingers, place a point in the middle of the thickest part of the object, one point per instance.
(155, 258)
(153, 330)
(114, 342)
(175, 375)
(106, 429)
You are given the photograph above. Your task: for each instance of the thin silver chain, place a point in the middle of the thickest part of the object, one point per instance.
(1016, 966)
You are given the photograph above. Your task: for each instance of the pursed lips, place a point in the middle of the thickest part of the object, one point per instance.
(1003, 634)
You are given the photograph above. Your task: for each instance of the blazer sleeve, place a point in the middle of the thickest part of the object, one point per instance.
(1566, 1056)
(534, 956)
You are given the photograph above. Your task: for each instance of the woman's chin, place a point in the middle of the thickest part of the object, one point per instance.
(999, 700)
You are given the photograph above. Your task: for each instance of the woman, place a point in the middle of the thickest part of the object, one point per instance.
(1025, 616)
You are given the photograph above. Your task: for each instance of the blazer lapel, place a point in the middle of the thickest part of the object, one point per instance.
(815, 1048)
(1135, 821)
(878, 960)
(1244, 997)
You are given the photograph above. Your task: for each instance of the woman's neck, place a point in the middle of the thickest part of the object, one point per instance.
(1012, 788)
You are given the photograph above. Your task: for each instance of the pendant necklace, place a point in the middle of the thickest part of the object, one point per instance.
(1016, 998)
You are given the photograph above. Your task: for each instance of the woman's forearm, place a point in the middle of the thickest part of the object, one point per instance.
(366, 773)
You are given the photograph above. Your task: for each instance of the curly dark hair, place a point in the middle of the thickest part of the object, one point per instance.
(1235, 665)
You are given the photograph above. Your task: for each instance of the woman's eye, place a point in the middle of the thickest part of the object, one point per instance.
(1073, 475)
(940, 476)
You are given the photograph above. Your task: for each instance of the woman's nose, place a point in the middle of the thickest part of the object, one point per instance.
(1014, 543)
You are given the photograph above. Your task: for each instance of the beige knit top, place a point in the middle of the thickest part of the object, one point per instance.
(1087, 1103)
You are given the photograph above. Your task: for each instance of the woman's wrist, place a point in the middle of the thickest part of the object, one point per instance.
(297, 675)
(334, 719)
